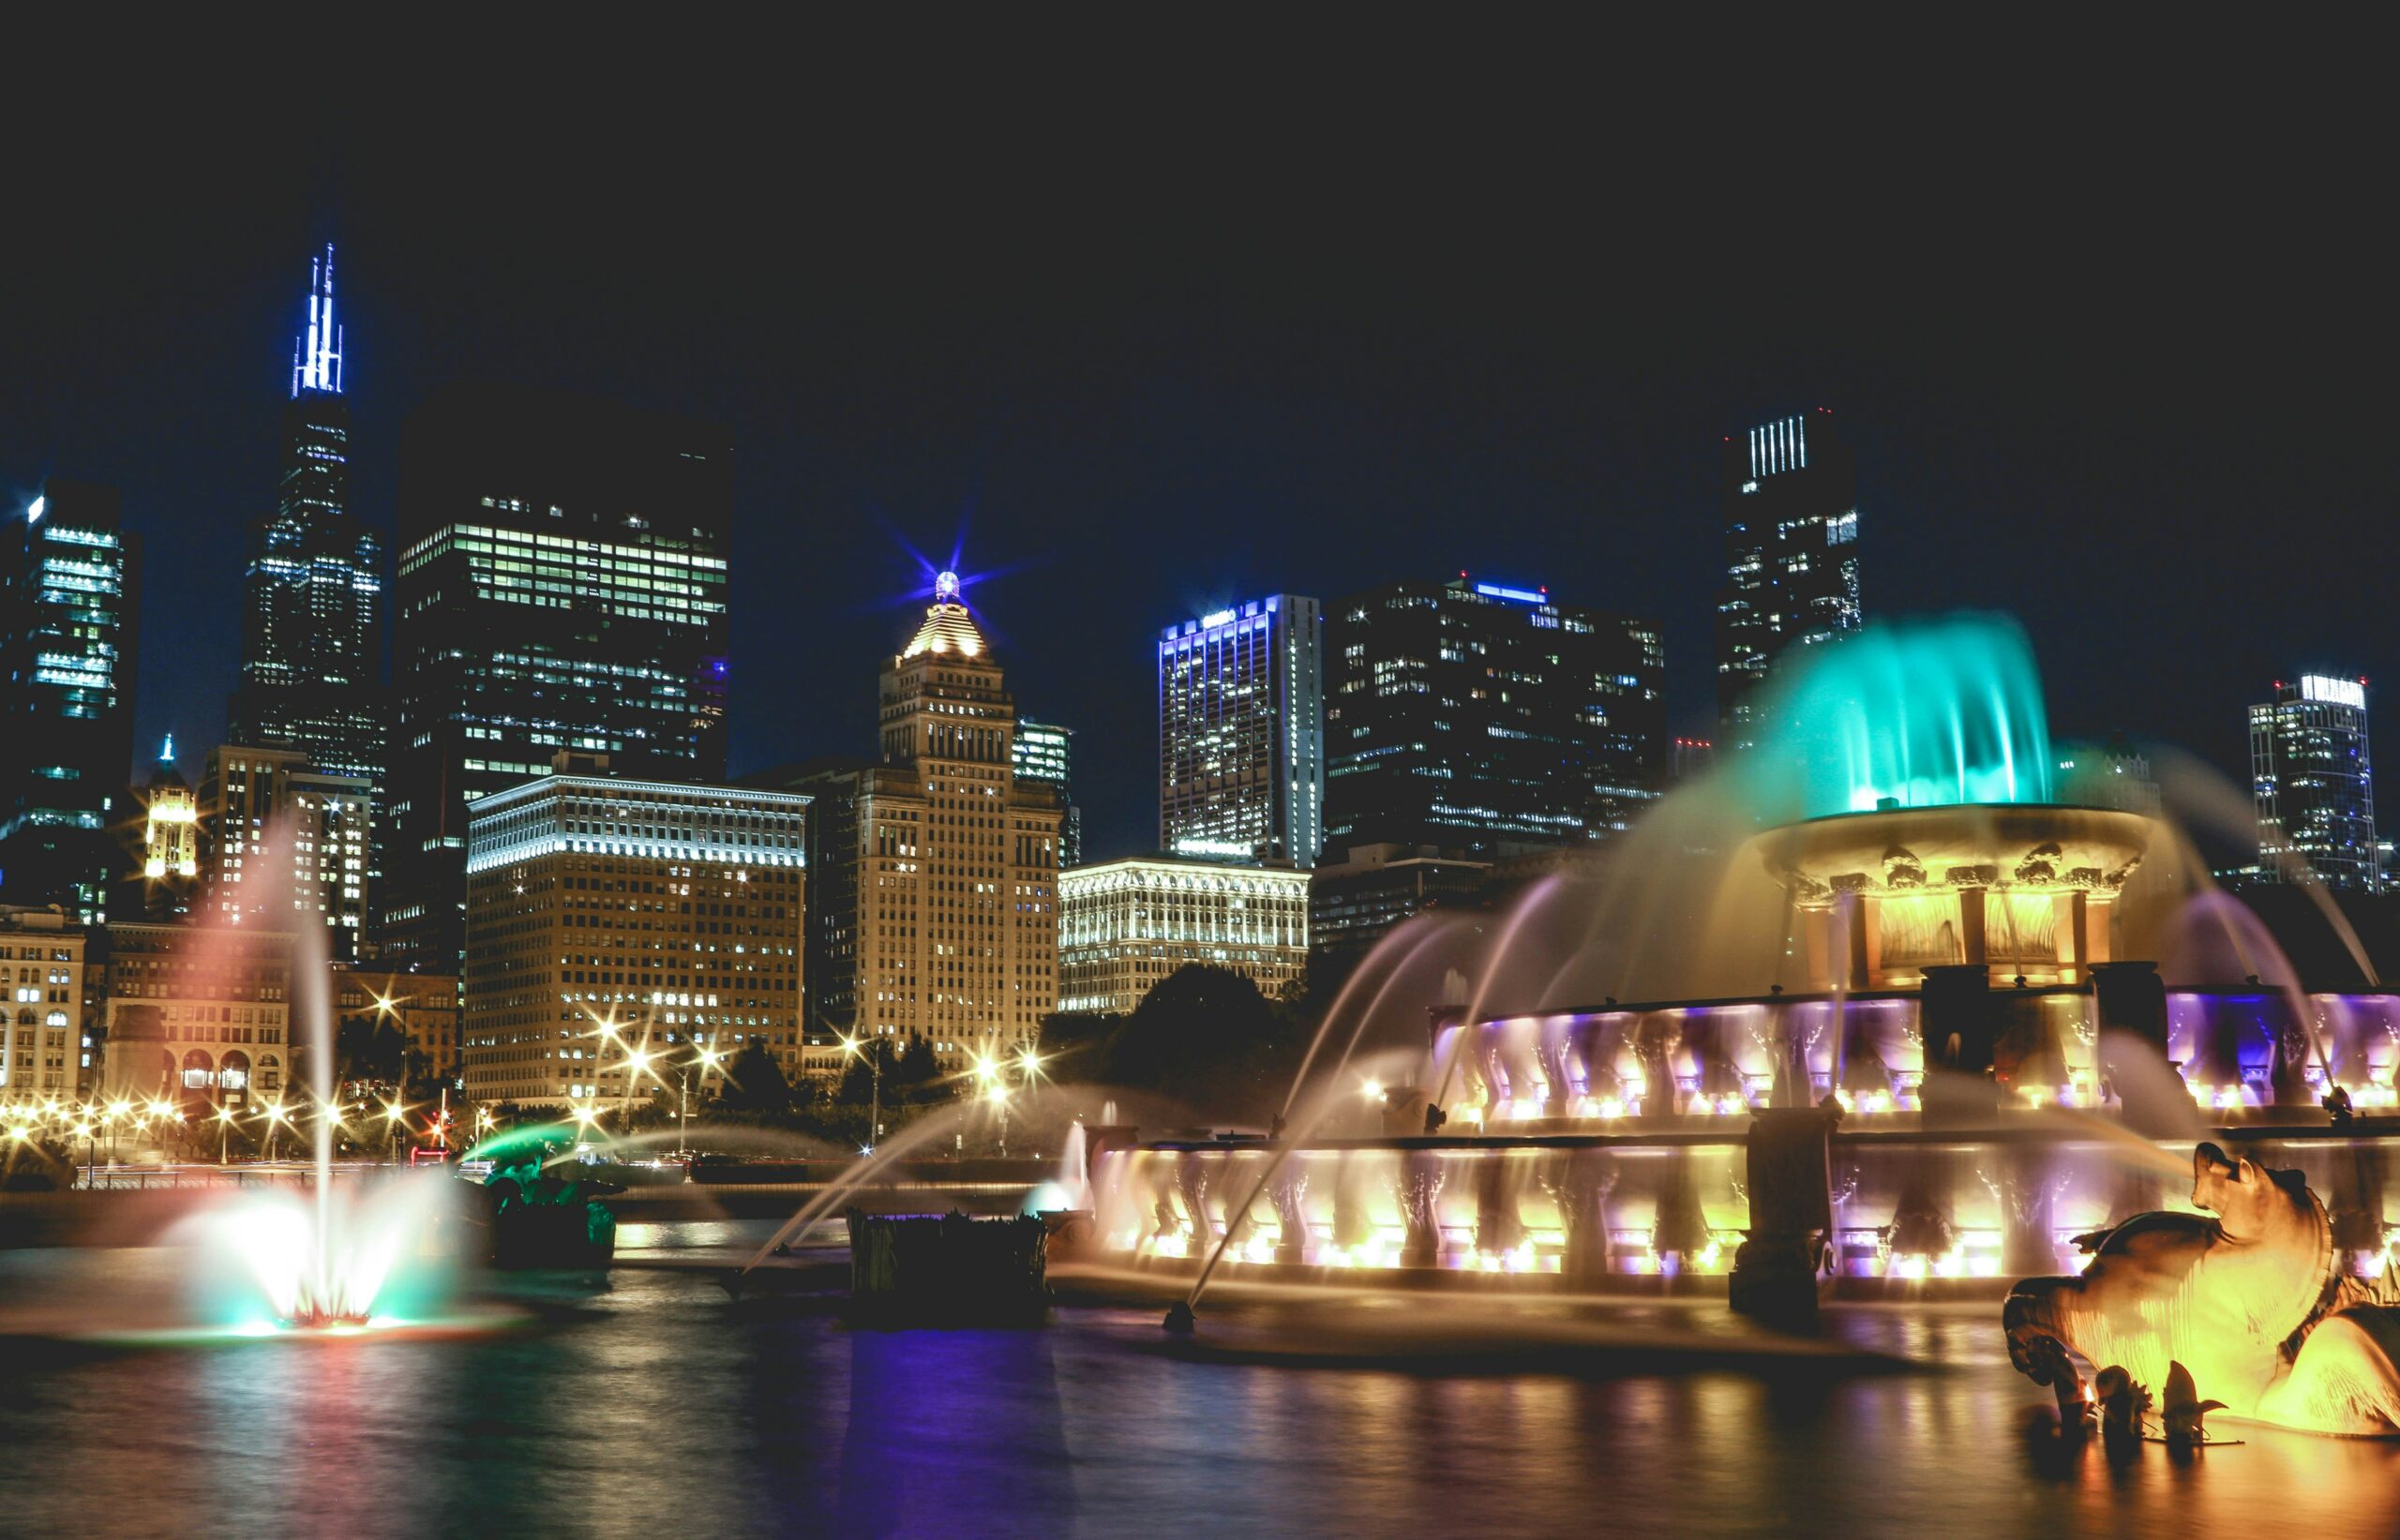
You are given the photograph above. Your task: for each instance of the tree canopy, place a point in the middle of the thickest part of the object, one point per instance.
(754, 1081)
(1202, 1035)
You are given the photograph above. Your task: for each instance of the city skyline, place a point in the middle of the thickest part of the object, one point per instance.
(1314, 443)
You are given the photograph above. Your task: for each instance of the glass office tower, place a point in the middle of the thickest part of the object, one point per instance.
(562, 587)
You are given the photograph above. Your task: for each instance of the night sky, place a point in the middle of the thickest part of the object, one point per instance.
(1150, 347)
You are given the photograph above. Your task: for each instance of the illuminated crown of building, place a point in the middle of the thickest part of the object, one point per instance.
(316, 354)
(948, 628)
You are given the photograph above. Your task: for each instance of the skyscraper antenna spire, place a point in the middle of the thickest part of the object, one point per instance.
(316, 363)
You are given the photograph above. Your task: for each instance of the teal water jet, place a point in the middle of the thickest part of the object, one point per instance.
(1909, 714)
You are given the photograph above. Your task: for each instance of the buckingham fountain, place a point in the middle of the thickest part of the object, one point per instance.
(1903, 1004)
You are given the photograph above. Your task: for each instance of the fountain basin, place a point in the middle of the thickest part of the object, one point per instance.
(1915, 1213)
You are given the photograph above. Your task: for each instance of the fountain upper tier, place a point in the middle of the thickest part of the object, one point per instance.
(2026, 889)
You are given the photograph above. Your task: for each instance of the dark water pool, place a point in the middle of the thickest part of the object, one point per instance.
(652, 1408)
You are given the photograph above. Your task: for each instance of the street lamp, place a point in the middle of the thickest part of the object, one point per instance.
(637, 1064)
(875, 1084)
(997, 1095)
(707, 1061)
(224, 1134)
(392, 1112)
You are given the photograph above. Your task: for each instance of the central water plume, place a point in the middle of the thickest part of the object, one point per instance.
(1911, 714)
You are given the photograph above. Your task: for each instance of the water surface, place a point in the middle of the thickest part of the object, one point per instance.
(651, 1406)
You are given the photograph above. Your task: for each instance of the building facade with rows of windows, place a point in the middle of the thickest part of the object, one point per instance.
(275, 835)
(197, 1014)
(2312, 779)
(1123, 925)
(42, 1057)
(936, 869)
(561, 587)
(1241, 732)
(609, 918)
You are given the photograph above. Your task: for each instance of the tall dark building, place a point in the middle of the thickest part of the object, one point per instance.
(1475, 719)
(2313, 782)
(1241, 733)
(562, 587)
(69, 590)
(1044, 754)
(312, 593)
(1791, 556)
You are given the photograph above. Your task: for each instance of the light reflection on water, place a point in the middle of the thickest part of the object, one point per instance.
(651, 1406)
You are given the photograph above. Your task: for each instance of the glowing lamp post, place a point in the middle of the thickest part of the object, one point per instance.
(707, 1061)
(637, 1064)
(875, 1084)
(997, 1095)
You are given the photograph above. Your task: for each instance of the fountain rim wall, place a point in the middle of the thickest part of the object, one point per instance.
(2361, 1130)
(1900, 991)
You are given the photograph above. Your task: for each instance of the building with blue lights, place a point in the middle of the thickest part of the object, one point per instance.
(562, 587)
(312, 584)
(609, 918)
(1483, 720)
(70, 582)
(2314, 781)
(1791, 556)
(1241, 733)
(1044, 754)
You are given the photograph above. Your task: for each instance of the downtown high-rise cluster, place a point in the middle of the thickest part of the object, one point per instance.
(524, 847)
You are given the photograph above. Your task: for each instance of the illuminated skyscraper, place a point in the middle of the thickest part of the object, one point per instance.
(69, 581)
(1044, 755)
(2314, 783)
(257, 806)
(1241, 733)
(1481, 720)
(312, 592)
(1791, 556)
(933, 871)
(561, 586)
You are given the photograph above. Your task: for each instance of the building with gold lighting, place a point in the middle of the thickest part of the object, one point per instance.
(42, 1056)
(196, 1013)
(161, 877)
(933, 910)
(423, 1006)
(617, 928)
(1123, 925)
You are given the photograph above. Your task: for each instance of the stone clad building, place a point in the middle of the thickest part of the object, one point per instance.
(196, 1013)
(935, 914)
(42, 1057)
(668, 912)
(1126, 924)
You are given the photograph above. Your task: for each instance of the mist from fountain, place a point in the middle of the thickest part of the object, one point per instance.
(1069, 1191)
(322, 1263)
